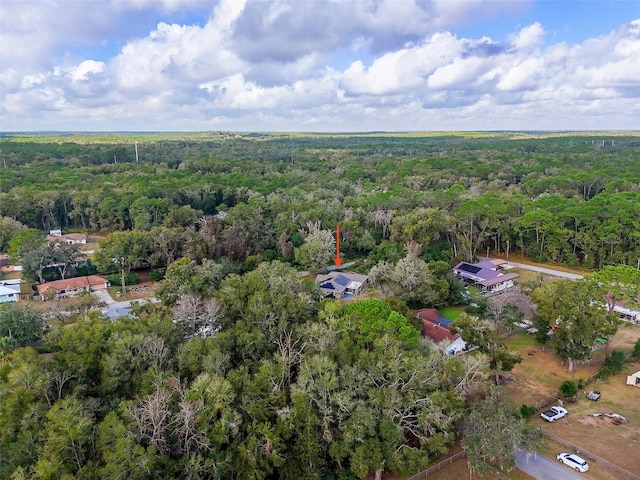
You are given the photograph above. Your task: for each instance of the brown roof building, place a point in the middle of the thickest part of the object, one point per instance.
(436, 328)
(72, 286)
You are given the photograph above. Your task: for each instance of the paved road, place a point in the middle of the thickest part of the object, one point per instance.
(543, 468)
(548, 271)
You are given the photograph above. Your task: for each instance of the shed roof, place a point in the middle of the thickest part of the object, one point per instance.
(500, 279)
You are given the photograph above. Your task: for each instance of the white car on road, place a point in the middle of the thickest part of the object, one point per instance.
(574, 461)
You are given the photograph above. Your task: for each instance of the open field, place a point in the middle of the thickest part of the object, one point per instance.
(618, 443)
(539, 376)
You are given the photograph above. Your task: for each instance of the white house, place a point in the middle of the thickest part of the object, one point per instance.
(8, 294)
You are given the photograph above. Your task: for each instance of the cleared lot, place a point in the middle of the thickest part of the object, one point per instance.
(539, 376)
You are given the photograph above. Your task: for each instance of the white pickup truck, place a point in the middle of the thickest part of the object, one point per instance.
(554, 413)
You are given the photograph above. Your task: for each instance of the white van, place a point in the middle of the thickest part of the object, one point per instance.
(574, 461)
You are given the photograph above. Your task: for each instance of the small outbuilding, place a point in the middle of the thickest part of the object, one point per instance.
(634, 379)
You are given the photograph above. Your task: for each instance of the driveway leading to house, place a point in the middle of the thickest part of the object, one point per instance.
(548, 271)
(543, 468)
(103, 296)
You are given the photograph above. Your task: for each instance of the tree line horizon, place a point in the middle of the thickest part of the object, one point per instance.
(566, 199)
(242, 370)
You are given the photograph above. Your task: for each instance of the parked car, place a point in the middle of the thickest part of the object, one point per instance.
(594, 395)
(574, 461)
(554, 413)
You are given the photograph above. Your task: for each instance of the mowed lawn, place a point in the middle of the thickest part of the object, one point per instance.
(540, 375)
(452, 313)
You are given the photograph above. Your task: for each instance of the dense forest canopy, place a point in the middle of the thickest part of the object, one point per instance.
(242, 370)
(572, 198)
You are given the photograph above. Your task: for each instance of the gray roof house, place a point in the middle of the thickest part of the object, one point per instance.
(487, 275)
(342, 284)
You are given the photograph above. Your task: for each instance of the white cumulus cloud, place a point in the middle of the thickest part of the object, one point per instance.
(316, 64)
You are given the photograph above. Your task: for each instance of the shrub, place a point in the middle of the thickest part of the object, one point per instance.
(581, 384)
(131, 278)
(616, 360)
(636, 349)
(527, 410)
(613, 364)
(568, 389)
(157, 274)
(478, 307)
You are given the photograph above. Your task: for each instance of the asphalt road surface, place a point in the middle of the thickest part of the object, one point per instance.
(543, 468)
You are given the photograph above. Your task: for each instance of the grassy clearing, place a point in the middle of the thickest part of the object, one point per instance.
(528, 275)
(521, 342)
(539, 376)
(452, 313)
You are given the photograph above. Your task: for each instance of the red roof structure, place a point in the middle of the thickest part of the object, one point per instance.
(95, 282)
(437, 333)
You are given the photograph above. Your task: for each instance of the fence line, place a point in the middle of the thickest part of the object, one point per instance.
(438, 466)
(588, 454)
(545, 402)
(444, 463)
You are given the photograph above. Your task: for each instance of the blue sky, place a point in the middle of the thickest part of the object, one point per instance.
(319, 65)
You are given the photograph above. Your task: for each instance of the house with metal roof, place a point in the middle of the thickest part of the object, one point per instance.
(488, 275)
(8, 294)
(338, 284)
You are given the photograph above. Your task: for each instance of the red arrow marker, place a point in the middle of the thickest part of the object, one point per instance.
(337, 260)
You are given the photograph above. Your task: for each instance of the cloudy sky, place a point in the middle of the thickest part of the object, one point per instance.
(319, 65)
